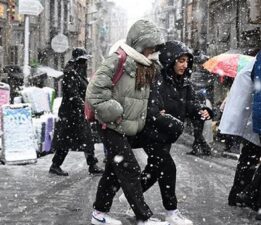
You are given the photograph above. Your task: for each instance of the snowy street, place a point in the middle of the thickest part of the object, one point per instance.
(30, 195)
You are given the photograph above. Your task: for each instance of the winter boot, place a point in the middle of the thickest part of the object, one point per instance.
(205, 148)
(247, 200)
(192, 153)
(57, 170)
(258, 215)
(201, 146)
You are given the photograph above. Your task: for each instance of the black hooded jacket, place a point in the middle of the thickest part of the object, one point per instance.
(171, 93)
(177, 93)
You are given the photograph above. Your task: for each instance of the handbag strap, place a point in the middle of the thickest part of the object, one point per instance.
(122, 58)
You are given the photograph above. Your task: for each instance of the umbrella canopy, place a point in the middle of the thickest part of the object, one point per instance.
(227, 64)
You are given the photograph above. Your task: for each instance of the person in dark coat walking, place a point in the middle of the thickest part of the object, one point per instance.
(172, 99)
(202, 82)
(72, 131)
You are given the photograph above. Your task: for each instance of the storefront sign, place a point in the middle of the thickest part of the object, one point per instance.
(30, 7)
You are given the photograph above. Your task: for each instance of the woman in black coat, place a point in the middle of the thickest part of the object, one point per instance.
(172, 99)
(72, 131)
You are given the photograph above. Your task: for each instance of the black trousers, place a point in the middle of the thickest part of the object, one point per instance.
(198, 126)
(162, 169)
(246, 167)
(253, 189)
(121, 170)
(69, 135)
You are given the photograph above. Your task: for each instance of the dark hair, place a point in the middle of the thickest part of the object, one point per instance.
(145, 75)
(251, 51)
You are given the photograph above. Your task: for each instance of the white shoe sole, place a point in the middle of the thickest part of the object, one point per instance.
(96, 222)
(171, 223)
(105, 224)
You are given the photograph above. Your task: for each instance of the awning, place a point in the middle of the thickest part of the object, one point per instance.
(50, 72)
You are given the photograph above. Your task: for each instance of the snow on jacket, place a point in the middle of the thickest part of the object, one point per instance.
(256, 77)
(177, 92)
(123, 100)
(172, 94)
(74, 85)
(72, 130)
(237, 115)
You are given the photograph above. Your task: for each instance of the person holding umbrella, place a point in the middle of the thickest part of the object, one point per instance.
(251, 195)
(237, 120)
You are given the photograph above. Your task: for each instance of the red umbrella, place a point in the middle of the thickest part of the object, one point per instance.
(227, 64)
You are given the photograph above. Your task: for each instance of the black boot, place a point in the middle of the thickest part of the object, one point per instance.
(95, 170)
(258, 215)
(57, 170)
(195, 149)
(201, 147)
(206, 149)
(247, 200)
(192, 153)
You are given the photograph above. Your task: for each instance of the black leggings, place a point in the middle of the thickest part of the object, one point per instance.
(161, 167)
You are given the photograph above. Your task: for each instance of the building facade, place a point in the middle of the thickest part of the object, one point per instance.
(59, 16)
(213, 26)
(106, 24)
(231, 27)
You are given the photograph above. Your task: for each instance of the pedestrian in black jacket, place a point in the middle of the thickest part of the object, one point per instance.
(72, 131)
(172, 99)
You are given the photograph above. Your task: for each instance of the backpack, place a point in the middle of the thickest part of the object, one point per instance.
(88, 111)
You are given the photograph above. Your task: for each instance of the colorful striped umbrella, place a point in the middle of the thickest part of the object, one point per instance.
(227, 64)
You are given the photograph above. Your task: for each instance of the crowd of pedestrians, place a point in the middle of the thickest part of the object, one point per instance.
(147, 108)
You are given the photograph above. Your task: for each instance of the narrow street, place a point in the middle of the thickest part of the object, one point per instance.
(29, 195)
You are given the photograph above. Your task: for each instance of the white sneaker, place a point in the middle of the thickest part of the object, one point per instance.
(100, 218)
(152, 221)
(176, 218)
(124, 201)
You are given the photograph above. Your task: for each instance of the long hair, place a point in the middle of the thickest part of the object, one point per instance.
(145, 75)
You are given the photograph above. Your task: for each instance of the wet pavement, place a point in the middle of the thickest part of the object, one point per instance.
(29, 195)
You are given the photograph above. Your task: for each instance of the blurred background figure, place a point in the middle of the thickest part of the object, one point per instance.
(72, 131)
(203, 84)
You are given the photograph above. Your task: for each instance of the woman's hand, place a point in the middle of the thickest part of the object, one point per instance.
(204, 114)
